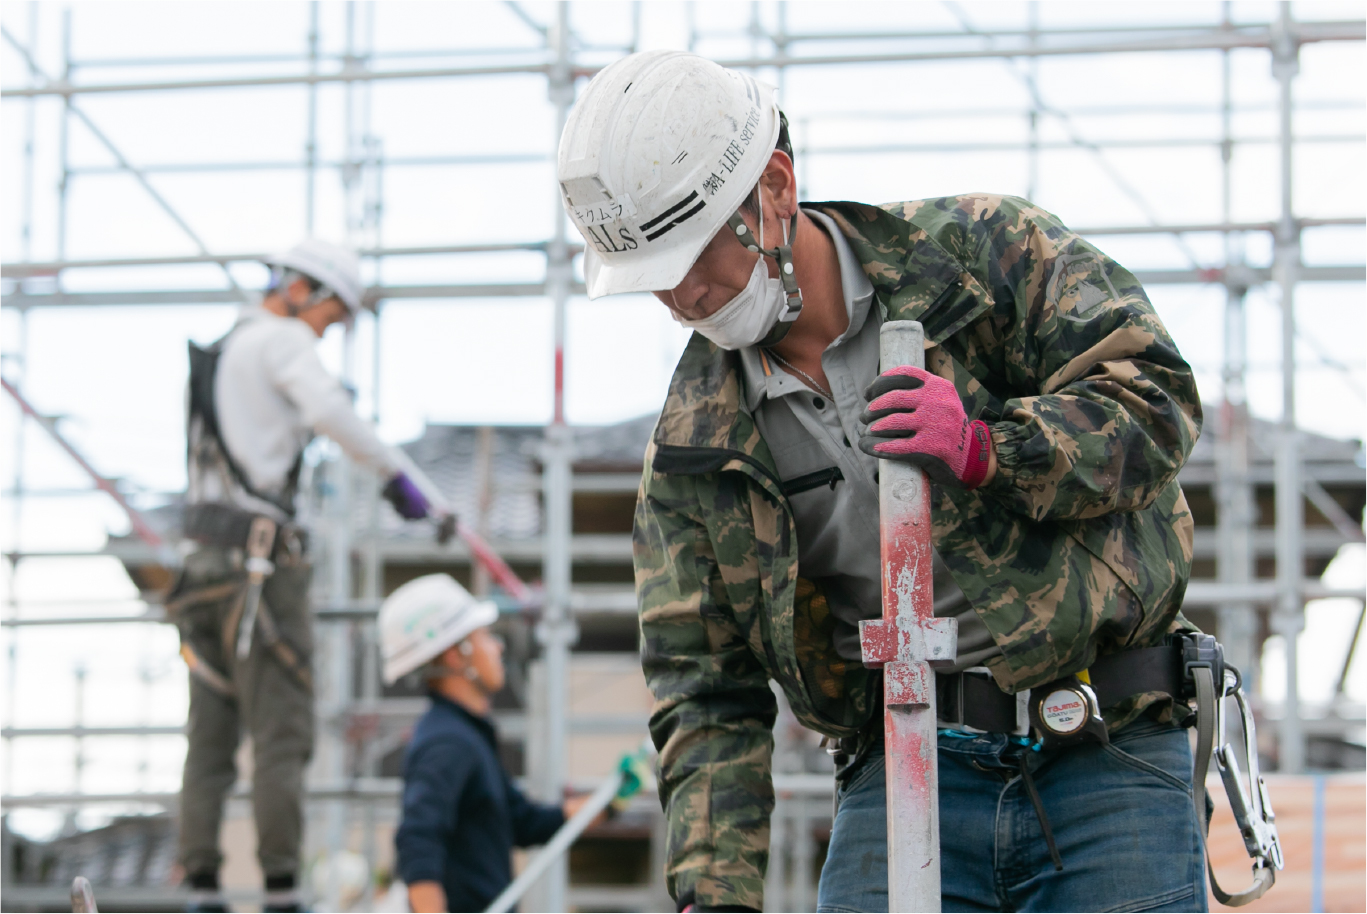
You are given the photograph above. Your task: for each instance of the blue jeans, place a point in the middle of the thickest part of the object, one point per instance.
(1122, 818)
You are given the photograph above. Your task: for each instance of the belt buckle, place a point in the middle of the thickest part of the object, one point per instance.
(1022, 713)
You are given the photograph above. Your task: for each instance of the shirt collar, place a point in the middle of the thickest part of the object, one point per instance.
(769, 380)
(253, 310)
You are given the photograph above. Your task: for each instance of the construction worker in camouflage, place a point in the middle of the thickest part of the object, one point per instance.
(1052, 417)
(256, 398)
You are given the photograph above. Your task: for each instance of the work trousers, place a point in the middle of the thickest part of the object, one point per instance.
(270, 701)
(1121, 814)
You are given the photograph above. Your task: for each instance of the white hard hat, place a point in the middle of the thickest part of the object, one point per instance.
(336, 267)
(423, 618)
(658, 153)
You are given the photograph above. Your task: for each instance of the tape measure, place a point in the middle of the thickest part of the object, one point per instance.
(1065, 712)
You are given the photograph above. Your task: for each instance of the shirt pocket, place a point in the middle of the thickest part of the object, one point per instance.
(797, 460)
(817, 479)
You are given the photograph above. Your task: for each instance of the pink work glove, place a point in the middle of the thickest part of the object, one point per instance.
(916, 417)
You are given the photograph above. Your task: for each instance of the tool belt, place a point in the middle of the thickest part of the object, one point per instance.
(971, 699)
(1187, 667)
(228, 527)
(259, 544)
(266, 629)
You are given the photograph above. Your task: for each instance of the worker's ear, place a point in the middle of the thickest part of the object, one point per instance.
(297, 293)
(780, 181)
(452, 658)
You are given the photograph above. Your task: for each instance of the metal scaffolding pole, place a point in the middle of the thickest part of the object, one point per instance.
(1254, 36)
(19, 357)
(1289, 618)
(123, 163)
(557, 631)
(907, 643)
(311, 143)
(1236, 596)
(1032, 162)
(63, 141)
(1235, 516)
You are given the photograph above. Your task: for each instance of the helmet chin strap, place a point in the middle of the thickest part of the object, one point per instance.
(784, 255)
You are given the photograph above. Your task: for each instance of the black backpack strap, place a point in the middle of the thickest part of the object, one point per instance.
(202, 405)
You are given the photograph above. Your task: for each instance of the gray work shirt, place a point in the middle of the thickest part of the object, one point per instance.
(830, 483)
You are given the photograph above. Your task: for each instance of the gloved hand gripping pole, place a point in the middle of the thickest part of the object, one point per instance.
(906, 643)
(449, 526)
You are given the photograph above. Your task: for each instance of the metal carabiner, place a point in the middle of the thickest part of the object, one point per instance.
(1252, 806)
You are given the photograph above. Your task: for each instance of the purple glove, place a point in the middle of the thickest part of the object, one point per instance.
(916, 417)
(407, 498)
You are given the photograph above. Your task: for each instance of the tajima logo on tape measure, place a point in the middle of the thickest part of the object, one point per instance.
(1063, 711)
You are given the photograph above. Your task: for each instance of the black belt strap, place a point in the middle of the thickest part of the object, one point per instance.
(973, 699)
(1116, 677)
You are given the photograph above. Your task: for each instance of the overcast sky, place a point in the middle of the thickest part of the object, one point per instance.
(117, 374)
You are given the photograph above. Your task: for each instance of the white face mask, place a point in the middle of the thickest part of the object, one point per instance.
(747, 318)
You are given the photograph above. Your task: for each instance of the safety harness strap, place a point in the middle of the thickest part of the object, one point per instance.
(210, 677)
(200, 596)
(271, 637)
(204, 437)
(1206, 699)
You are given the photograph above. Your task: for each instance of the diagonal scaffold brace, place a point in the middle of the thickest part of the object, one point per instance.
(907, 642)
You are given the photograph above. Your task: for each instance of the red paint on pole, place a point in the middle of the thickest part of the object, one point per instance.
(494, 564)
(904, 643)
(135, 519)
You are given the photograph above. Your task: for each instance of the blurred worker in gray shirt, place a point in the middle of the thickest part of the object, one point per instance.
(257, 396)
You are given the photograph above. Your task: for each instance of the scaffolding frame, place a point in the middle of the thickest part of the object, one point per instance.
(560, 59)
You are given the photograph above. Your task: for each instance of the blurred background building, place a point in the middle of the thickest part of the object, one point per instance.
(152, 153)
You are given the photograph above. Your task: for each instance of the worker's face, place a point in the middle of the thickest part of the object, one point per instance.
(318, 316)
(723, 269)
(484, 660)
(323, 315)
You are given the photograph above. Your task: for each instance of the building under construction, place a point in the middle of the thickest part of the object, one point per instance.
(1275, 502)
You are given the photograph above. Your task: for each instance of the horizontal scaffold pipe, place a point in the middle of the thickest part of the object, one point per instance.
(1212, 39)
(512, 725)
(1062, 145)
(1199, 593)
(517, 158)
(352, 75)
(38, 268)
(22, 270)
(24, 300)
(786, 785)
(1054, 31)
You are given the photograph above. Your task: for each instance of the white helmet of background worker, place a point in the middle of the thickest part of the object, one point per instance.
(336, 268)
(657, 156)
(423, 618)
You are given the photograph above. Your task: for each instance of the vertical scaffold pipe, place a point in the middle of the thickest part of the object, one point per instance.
(905, 642)
(557, 632)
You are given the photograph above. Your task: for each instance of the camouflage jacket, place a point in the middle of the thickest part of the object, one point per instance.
(1081, 543)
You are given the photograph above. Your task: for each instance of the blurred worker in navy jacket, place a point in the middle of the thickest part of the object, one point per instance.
(462, 814)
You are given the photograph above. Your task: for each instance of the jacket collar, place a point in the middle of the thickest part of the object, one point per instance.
(910, 273)
(483, 725)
